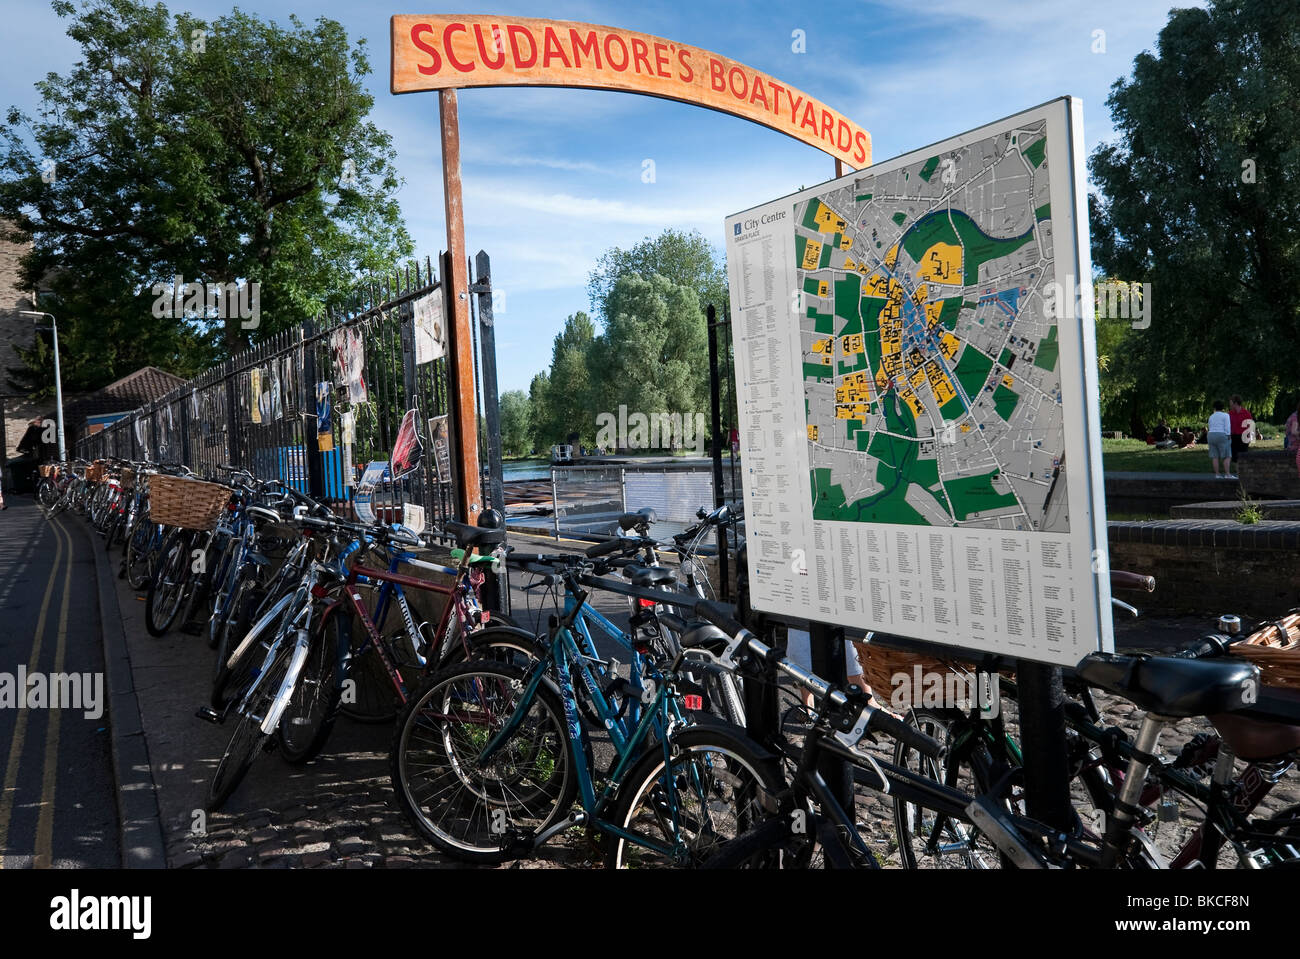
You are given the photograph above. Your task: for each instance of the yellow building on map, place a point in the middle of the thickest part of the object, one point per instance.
(812, 254)
(821, 346)
(942, 264)
(828, 221)
(813, 430)
(823, 288)
(891, 257)
(852, 344)
(939, 383)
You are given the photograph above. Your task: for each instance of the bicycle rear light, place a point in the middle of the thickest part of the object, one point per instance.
(693, 702)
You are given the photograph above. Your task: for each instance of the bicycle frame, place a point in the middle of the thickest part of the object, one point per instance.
(563, 652)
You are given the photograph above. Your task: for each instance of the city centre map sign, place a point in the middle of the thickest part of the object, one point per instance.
(919, 408)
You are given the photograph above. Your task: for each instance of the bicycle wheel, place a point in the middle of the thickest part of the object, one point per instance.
(248, 739)
(481, 812)
(928, 839)
(47, 493)
(137, 555)
(170, 581)
(313, 706)
(369, 695)
(232, 679)
(683, 811)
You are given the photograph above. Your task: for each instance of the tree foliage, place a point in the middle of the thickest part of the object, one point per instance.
(1200, 196)
(516, 423)
(232, 151)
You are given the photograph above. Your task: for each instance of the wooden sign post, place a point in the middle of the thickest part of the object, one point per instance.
(463, 399)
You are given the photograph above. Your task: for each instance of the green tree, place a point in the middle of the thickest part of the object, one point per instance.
(226, 152)
(1199, 195)
(652, 355)
(570, 407)
(683, 257)
(516, 423)
(539, 402)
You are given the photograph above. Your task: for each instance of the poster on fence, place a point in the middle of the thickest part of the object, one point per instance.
(408, 451)
(277, 408)
(430, 330)
(363, 502)
(441, 439)
(255, 394)
(919, 397)
(413, 517)
(324, 417)
(350, 360)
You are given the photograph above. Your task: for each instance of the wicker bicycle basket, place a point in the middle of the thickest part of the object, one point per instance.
(96, 472)
(880, 664)
(47, 471)
(127, 478)
(184, 502)
(1275, 649)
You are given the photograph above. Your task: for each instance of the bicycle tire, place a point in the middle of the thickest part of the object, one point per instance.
(248, 739)
(308, 718)
(138, 554)
(232, 679)
(720, 777)
(962, 845)
(370, 698)
(168, 587)
(473, 814)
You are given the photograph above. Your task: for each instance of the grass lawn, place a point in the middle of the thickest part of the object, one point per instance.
(1135, 456)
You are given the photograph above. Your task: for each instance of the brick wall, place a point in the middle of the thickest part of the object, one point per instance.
(1211, 566)
(15, 330)
(1269, 474)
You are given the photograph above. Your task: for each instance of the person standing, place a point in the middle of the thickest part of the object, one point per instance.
(1239, 417)
(1219, 439)
(1291, 439)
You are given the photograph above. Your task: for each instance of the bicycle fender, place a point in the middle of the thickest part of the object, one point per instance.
(281, 701)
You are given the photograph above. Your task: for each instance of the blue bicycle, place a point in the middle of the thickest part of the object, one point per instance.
(489, 757)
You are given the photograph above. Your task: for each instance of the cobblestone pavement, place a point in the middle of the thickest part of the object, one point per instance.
(338, 811)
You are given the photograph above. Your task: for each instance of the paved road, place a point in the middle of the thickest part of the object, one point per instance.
(57, 806)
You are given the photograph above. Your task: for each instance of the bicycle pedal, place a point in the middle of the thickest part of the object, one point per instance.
(210, 715)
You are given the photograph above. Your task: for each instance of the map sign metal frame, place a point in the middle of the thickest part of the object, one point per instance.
(920, 419)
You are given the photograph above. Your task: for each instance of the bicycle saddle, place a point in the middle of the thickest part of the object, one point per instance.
(1254, 739)
(632, 520)
(648, 576)
(1173, 687)
(467, 536)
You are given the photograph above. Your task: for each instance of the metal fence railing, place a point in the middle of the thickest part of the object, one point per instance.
(587, 500)
(313, 406)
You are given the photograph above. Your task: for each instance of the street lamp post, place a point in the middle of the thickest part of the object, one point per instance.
(58, 377)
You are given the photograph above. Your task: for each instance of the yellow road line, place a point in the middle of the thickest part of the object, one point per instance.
(20, 723)
(44, 853)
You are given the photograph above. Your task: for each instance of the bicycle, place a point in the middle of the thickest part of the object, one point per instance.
(489, 757)
(811, 820)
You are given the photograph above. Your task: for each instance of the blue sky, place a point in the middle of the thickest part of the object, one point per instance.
(552, 177)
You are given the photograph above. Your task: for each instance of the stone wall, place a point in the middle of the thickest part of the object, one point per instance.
(1211, 566)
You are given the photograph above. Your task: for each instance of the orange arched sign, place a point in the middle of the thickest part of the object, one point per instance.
(451, 52)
